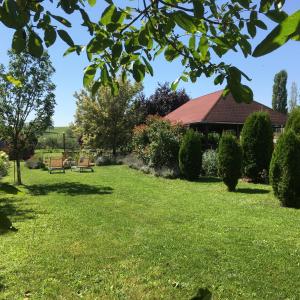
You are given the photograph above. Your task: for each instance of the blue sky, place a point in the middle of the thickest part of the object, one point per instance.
(69, 70)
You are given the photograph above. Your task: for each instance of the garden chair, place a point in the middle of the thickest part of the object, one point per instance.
(84, 164)
(56, 164)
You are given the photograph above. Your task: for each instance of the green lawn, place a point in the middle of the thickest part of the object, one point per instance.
(119, 234)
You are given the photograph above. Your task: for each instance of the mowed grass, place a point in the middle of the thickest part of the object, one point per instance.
(119, 234)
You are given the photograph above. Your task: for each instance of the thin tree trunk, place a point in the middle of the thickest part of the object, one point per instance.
(19, 178)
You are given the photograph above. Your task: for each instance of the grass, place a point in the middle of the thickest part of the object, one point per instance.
(120, 234)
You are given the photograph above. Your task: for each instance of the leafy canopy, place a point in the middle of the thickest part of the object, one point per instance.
(126, 39)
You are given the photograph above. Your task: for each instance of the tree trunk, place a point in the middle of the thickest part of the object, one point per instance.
(114, 150)
(19, 179)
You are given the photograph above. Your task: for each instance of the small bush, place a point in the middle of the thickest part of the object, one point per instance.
(285, 169)
(190, 155)
(229, 160)
(210, 163)
(293, 121)
(257, 145)
(34, 162)
(157, 143)
(4, 164)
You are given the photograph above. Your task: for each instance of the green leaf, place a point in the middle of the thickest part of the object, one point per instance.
(19, 41)
(192, 42)
(70, 50)
(49, 36)
(117, 50)
(149, 67)
(35, 45)
(65, 37)
(265, 5)
(175, 83)
(261, 24)
(251, 29)
(60, 19)
(138, 71)
(108, 13)
(198, 9)
(143, 38)
(243, 3)
(95, 87)
(276, 15)
(171, 53)
(279, 35)
(203, 46)
(184, 21)
(92, 2)
(89, 74)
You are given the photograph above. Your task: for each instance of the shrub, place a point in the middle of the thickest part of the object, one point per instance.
(293, 121)
(4, 164)
(190, 155)
(213, 139)
(257, 145)
(34, 162)
(285, 169)
(210, 163)
(229, 160)
(157, 142)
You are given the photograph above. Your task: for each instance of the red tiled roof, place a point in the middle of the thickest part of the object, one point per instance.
(213, 108)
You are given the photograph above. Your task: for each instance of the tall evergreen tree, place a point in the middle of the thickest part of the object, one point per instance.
(279, 99)
(294, 96)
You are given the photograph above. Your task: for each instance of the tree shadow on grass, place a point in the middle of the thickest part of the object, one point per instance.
(205, 179)
(252, 191)
(9, 208)
(8, 189)
(69, 188)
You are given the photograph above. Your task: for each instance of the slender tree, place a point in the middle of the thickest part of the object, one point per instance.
(26, 110)
(279, 99)
(294, 96)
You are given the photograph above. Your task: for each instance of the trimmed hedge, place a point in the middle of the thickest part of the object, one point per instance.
(257, 145)
(293, 121)
(190, 155)
(229, 160)
(285, 170)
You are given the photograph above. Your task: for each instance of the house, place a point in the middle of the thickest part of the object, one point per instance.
(215, 113)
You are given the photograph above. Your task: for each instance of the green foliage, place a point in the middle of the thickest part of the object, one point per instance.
(293, 121)
(26, 110)
(190, 155)
(285, 169)
(279, 98)
(257, 144)
(4, 164)
(127, 39)
(104, 120)
(157, 143)
(34, 162)
(229, 160)
(210, 163)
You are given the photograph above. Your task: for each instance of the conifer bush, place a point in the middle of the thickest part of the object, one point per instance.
(257, 145)
(229, 160)
(293, 121)
(285, 169)
(190, 155)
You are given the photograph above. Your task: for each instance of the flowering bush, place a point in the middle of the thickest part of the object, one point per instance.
(157, 142)
(210, 163)
(4, 164)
